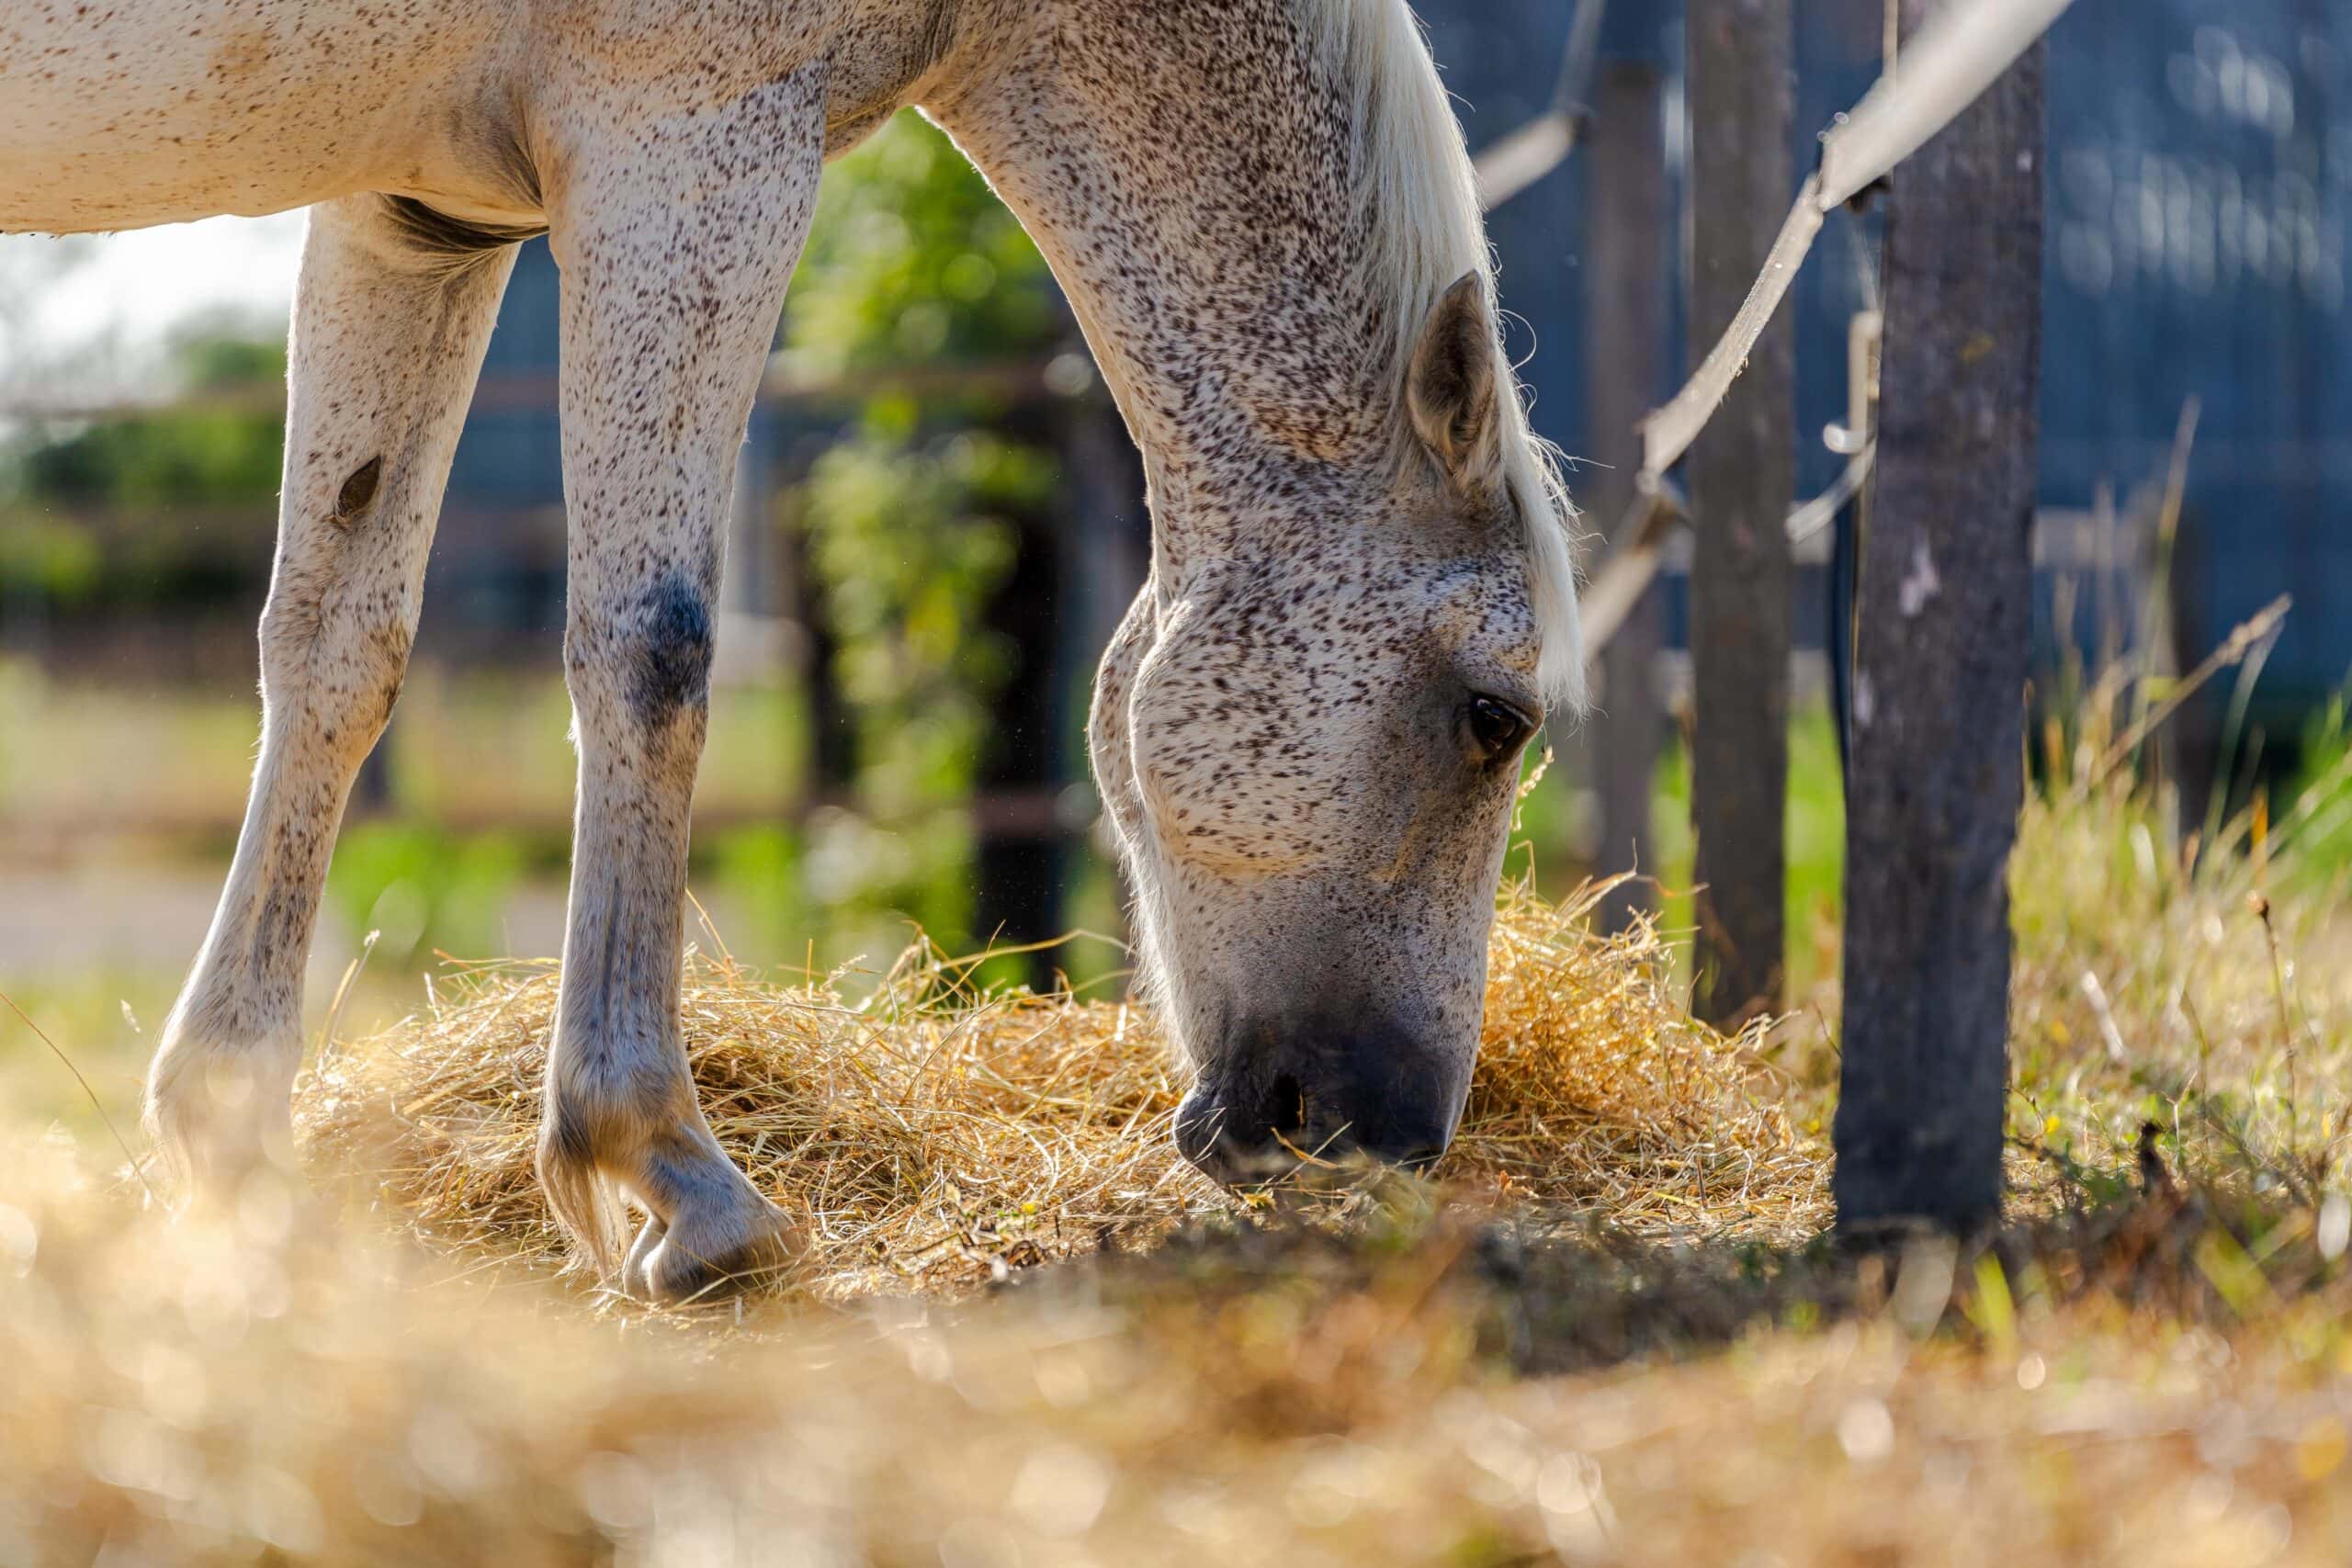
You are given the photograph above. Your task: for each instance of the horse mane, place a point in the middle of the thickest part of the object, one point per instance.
(1425, 227)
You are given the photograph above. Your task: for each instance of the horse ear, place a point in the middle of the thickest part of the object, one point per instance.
(1452, 389)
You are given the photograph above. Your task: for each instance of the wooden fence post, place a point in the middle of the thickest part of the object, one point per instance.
(1742, 475)
(1944, 627)
(1018, 856)
(1624, 279)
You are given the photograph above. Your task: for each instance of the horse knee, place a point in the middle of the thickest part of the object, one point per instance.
(345, 661)
(670, 657)
(652, 659)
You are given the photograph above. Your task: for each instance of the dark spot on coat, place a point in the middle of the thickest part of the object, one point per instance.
(358, 490)
(670, 662)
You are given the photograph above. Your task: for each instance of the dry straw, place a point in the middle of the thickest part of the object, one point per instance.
(929, 1137)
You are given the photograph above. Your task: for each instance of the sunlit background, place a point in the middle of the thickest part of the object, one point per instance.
(940, 521)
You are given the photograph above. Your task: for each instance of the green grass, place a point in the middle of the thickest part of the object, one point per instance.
(1814, 844)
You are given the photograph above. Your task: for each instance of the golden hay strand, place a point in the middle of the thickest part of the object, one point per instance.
(925, 1137)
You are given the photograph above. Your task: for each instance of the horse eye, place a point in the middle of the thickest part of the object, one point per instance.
(1494, 728)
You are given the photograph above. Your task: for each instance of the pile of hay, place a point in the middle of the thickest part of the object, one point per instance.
(928, 1137)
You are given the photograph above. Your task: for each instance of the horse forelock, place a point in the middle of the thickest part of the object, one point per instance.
(1424, 230)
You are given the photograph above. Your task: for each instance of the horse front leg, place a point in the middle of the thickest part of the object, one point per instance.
(388, 339)
(676, 235)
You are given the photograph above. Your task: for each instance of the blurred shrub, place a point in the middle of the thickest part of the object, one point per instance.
(914, 258)
(179, 459)
(760, 870)
(423, 888)
(910, 520)
(76, 500)
(193, 455)
(57, 560)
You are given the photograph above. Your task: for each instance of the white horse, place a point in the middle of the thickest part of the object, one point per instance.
(1307, 728)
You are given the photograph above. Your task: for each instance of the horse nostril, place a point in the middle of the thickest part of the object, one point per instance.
(1286, 1106)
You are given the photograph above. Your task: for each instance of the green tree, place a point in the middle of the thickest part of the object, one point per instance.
(197, 454)
(909, 519)
(219, 448)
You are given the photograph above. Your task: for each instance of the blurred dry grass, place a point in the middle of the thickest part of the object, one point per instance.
(2143, 1388)
(1611, 1336)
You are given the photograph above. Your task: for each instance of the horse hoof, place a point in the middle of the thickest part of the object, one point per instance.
(695, 1262)
(218, 1116)
(635, 1278)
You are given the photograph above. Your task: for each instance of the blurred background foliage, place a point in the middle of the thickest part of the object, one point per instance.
(191, 456)
(830, 822)
(912, 259)
(910, 517)
(67, 488)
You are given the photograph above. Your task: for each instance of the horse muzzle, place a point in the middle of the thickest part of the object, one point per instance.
(1321, 1097)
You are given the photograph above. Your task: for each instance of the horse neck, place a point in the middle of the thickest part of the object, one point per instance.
(1187, 171)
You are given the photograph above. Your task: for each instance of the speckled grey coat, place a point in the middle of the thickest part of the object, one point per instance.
(1307, 728)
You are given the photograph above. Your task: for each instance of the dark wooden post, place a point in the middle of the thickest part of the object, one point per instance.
(1018, 863)
(1018, 868)
(1742, 473)
(1625, 279)
(1944, 625)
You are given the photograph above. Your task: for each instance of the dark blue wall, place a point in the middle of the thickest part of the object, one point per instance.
(2200, 163)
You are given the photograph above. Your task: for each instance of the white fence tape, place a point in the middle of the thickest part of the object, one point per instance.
(1956, 54)
(1638, 545)
(1945, 66)
(1511, 162)
(1815, 515)
(1667, 434)
(1624, 574)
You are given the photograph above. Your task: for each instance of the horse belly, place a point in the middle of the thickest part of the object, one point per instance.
(158, 111)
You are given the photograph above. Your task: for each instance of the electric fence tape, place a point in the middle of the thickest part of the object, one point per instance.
(1959, 52)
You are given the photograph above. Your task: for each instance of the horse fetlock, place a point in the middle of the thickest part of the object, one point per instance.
(219, 1112)
(708, 1233)
(582, 1140)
